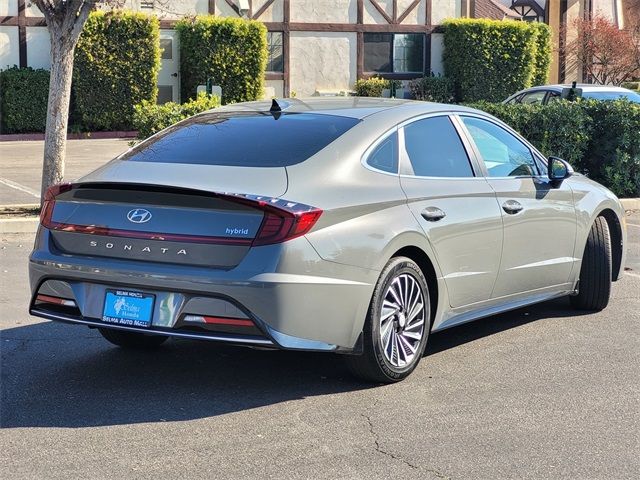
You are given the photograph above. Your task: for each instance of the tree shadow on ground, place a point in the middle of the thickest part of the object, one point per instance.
(56, 375)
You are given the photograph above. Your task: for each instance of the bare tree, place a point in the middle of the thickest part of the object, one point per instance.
(608, 55)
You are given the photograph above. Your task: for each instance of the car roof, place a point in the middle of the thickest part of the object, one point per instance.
(586, 87)
(354, 107)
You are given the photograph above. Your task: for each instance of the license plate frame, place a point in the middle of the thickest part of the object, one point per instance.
(128, 308)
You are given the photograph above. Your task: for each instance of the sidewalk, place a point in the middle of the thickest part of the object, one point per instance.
(21, 165)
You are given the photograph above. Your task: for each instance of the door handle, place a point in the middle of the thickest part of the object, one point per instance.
(512, 207)
(433, 214)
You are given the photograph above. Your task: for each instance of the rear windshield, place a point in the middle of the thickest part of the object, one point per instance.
(631, 96)
(243, 139)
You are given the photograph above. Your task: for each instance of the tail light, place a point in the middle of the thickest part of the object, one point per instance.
(285, 221)
(49, 202)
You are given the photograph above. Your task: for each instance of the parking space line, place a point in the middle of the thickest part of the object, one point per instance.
(632, 274)
(17, 186)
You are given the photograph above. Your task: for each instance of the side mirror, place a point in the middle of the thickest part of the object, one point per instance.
(558, 170)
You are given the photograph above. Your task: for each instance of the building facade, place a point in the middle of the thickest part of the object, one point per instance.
(316, 47)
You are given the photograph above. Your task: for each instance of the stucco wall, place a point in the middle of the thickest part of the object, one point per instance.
(38, 47)
(606, 8)
(8, 7)
(324, 11)
(274, 88)
(442, 9)
(416, 16)
(322, 61)
(8, 47)
(507, 3)
(437, 47)
(274, 13)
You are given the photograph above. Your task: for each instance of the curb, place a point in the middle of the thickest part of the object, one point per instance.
(18, 137)
(18, 225)
(630, 203)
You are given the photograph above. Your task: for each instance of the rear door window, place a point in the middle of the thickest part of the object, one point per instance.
(435, 149)
(253, 139)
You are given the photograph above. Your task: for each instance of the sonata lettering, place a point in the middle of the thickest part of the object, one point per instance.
(145, 249)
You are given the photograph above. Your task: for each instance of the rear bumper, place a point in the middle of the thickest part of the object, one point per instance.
(296, 299)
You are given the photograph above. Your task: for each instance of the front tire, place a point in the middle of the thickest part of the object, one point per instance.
(132, 340)
(397, 325)
(594, 287)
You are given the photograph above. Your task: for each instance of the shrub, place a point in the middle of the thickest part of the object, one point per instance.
(230, 51)
(433, 89)
(561, 129)
(149, 117)
(613, 155)
(599, 139)
(489, 59)
(370, 87)
(23, 100)
(543, 53)
(116, 67)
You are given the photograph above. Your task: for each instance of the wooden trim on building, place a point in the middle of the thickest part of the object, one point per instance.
(393, 25)
(409, 9)
(262, 9)
(16, 21)
(286, 60)
(360, 42)
(382, 11)
(347, 27)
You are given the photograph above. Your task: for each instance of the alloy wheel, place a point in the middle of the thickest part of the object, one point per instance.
(402, 320)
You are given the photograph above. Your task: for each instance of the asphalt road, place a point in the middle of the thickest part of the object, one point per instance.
(541, 392)
(21, 163)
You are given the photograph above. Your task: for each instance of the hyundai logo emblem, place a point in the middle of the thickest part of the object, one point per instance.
(139, 215)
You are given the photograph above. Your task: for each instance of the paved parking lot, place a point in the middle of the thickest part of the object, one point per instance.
(541, 392)
(20, 177)
(537, 393)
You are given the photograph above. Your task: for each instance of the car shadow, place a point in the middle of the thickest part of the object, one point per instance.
(56, 375)
(456, 336)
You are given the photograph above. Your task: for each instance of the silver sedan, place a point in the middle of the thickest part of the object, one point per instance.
(355, 226)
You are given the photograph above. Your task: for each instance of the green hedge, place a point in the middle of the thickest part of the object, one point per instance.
(599, 139)
(230, 51)
(23, 100)
(150, 117)
(433, 89)
(491, 59)
(116, 67)
(543, 53)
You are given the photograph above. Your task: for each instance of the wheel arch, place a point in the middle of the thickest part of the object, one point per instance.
(426, 265)
(617, 241)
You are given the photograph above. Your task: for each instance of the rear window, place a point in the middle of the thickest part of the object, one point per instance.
(243, 139)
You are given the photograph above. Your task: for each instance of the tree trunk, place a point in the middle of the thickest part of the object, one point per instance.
(55, 139)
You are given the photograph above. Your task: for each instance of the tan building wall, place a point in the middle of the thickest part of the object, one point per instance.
(323, 40)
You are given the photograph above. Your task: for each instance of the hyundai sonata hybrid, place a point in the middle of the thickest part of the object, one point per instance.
(347, 225)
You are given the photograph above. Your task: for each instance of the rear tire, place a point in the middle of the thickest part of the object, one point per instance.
(132, 340)
(397, 325)
(594, 287)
